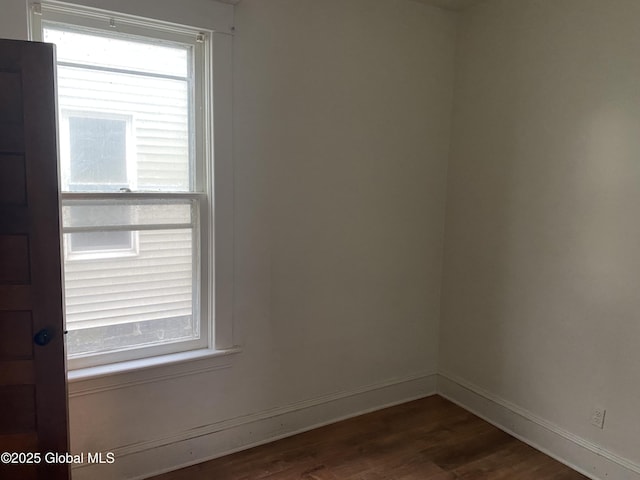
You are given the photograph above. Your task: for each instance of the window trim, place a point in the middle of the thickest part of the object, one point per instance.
(219, 280)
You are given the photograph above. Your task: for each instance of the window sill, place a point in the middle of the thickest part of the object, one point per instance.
(86, 381)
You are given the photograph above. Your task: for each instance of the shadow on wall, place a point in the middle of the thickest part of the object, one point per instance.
(541, 257)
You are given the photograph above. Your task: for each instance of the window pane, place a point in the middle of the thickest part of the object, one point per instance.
(130, 335)
(146, 299)
(158, 158)
(92, 214)
(128, 123)
(96, 50)
(100, 241)
(98, 151)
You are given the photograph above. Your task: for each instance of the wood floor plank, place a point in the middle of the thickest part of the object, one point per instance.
(427, 439)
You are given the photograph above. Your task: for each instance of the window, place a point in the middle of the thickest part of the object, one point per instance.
(97, 153)
(136, 183)
(96, 150)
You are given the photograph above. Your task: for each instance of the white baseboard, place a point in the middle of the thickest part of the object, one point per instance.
(582, 455)
(146, 459)
(149, 458)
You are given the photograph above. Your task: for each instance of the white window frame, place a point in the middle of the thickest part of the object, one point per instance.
(215, 295)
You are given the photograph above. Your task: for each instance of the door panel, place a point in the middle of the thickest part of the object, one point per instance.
(15, 336)
(14, 258)
(13, 180)
(33, 391)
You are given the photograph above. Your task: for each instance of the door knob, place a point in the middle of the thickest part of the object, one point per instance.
(43, 337)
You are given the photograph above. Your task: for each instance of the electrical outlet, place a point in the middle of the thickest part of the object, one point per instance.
(597, 417)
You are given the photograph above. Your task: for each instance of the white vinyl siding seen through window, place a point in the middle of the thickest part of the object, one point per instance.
(135, 181)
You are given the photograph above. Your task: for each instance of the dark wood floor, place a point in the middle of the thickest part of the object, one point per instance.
(428, 439)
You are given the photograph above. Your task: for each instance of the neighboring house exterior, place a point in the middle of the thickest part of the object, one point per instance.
(126, 277)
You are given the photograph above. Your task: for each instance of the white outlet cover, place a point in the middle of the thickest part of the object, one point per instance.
(597, 417)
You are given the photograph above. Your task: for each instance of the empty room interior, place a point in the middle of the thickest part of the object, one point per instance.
(364, 204)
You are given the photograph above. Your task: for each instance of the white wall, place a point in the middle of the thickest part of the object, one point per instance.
(341, 137)
(342, 117)
(342, 114)
(542, 265)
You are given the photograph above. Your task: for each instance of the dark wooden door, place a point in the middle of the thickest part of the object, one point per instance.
(33, 390)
